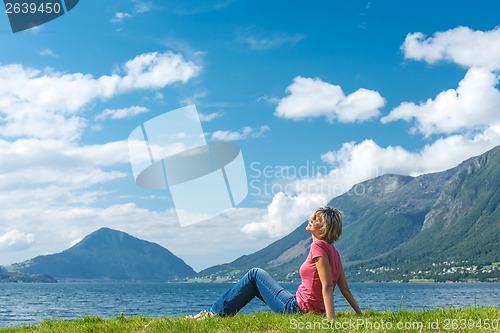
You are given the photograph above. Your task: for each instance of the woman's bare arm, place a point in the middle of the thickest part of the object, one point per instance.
(325, 276)
(346, 292)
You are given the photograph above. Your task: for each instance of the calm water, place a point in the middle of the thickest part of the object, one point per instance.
(32, 303)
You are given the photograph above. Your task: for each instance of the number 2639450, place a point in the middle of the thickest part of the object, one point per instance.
(33, 8)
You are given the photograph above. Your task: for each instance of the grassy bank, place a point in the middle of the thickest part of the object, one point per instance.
(441, 320)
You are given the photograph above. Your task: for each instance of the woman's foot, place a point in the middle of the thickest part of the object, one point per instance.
(203, 314)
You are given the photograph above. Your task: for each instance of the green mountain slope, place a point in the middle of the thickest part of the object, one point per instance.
(112, 255)
(463, 225)
(16, 277)
(400, 227)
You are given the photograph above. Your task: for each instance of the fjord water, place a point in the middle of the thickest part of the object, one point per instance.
(33, 303)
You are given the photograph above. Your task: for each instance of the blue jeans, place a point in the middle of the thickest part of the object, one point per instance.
(256, 283)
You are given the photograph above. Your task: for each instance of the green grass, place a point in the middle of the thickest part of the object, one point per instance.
(440, 320)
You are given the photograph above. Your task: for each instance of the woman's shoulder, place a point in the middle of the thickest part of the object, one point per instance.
(322, 244)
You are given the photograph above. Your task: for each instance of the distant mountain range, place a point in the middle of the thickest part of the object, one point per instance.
(439, 226)
(108, 254)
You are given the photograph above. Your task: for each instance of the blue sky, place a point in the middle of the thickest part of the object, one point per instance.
(332, 92)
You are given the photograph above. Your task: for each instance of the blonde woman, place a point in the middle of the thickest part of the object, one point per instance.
(320, 273)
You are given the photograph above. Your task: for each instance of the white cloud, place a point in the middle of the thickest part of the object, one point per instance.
(121, 113)
(156, 70)
(48, 53)
(276, 40)
(246, 132)
(284, 214)
(159, 96)
(141, 7)
(15, 240)
(120, 17)
(28, 153)
(35, 30)
(45, 104)
(194, 99)
(474, 104)
(210, 116)
(368, 158)
(310, 98)
(461, 45)
(32, 164)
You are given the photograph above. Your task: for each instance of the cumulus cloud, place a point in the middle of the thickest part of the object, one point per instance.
(155, 70)
(312, 97)
(462, 45)
(285, 213)
(25, 153)
(246, 132)
(46, 104)
(33, 163)
(474, 104)
(121, 113)
(296, 197)
(368, 158)
(15, 240)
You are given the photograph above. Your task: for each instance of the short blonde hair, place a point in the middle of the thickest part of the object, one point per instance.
(330, 220)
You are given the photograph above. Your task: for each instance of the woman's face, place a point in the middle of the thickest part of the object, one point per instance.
(314, 227)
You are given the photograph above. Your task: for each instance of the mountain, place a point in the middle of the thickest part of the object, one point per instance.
(111, 255)
(441, 226)
(16, 277)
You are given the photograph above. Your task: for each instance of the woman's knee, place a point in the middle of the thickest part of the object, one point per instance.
(256, 271)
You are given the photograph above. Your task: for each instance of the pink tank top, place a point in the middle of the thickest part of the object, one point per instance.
(309, 294)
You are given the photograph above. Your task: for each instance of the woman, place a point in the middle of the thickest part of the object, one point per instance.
(320, 273)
